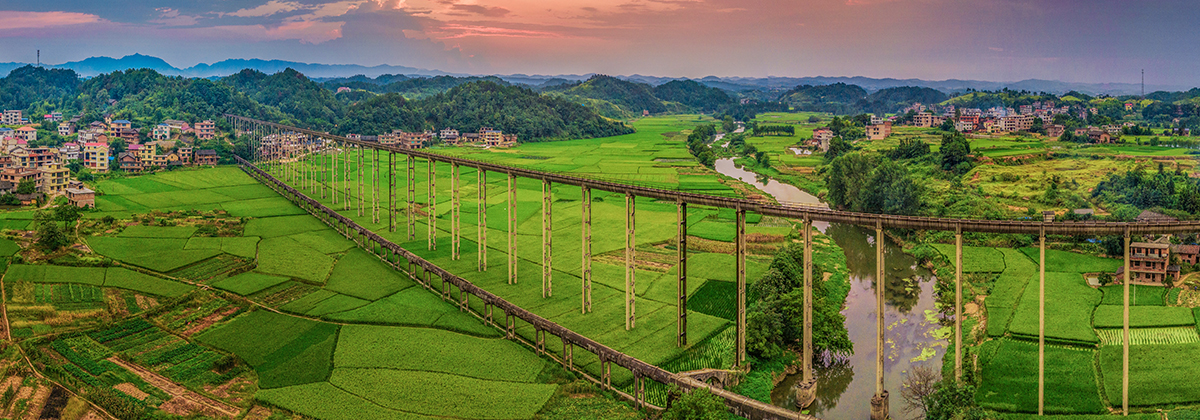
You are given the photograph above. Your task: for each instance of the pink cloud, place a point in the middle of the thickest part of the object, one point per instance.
(34, 20)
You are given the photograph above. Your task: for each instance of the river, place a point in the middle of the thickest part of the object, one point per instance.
(845, 386)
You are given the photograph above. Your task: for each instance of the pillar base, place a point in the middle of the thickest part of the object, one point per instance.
(806, 393)
(879, 406)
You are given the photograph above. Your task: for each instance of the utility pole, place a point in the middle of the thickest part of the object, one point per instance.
(1143, 83)
(39, 58)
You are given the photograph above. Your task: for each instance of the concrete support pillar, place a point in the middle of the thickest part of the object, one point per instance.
(411, 207)
(345, 177)
(360, 179)
(391, 192)
(324, 155)
(586, 267)
(481, 216)
(630, 275)
(431, 208)
(1125, 334)
(547, 239)
(740, 356)
(958, 274)
(512, 228)
(681, 287)
(879, 403)
(806, 390)
(1042, 320)
(455, 222)
(375, 189)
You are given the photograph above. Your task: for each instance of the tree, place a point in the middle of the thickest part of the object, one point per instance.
(764, 160)
(837, 148)
(919, 384)
(50, 237)
(698, 404)
(67, 213)
(27, 186)
(956, 150)
(728, 125)
(1038, 126)
(951, 401)
(890, 190)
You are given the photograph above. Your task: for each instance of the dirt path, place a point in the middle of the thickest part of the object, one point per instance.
(209, 405)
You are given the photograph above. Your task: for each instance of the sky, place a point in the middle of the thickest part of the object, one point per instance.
(1092, 41)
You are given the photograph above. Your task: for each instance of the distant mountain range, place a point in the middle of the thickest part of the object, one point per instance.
(99, 65)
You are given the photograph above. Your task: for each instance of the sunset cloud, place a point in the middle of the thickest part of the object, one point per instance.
(34, 20)
(1071, 40)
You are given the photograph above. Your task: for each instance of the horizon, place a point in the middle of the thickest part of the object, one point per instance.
(1068, 41)
(431, 72)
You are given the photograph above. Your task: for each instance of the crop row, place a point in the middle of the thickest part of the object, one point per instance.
(123, 329)
(185, 314)
(90, 365)
(134, 340)
(1148, 336)
(211, 267)
(283, 293)
(63, 296)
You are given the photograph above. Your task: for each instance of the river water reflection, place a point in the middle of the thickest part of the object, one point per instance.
(845, 385)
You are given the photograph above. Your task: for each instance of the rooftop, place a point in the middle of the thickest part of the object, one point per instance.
(120, 121)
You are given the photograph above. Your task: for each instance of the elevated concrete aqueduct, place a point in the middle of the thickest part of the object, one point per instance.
(269, 149)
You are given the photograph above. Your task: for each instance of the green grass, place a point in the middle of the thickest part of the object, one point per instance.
(1010, 380)
(1007, 291)
(285, 350)
(416, 307)
(1070, 262)
(246, 284)
(140, 231)
(1158, 374)
(8, 248)
(716, 298)
(157, 254)
(1139, 295)
(55, 274)
(242, 246)
(127, 279)
(270, 227)
(286, 257)
(364, 276)
(438, 394)
(1069, 305)
(975, 259)
(325, 401)
(366, 346)
(1111, 316)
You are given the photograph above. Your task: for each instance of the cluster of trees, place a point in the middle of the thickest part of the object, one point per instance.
(956, 153)
(872, 184)
(698, 144)
(146, 98)
(1141, 190)
(471, 106)
(631, 98)
(908, 149)
(771, 321)
(764, 130)
(841, 98)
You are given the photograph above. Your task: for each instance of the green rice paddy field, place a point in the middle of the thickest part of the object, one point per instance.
(1084, 336)
(304, 268)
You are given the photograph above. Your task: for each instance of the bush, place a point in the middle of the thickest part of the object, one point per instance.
(699, 404)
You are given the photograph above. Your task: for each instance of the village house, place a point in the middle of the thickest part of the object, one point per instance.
(491, 136)
(185, 155)
(54, 178)
(1054, 130)
(207, 157)
(53, 116)
(964, 126)
(206, 130)
(1187, 254)
(449, 135)
(11, 117)
(117, 125)
(80, 196)
(28, 134)
(32, 157)
(415, 140)
(69, 151)
(176, 125)
(129, 162)
(928, 120)
(1148, 262)
(15, 175)
(161, 132)
(879, 131)
(66, 129)
(95, 157)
